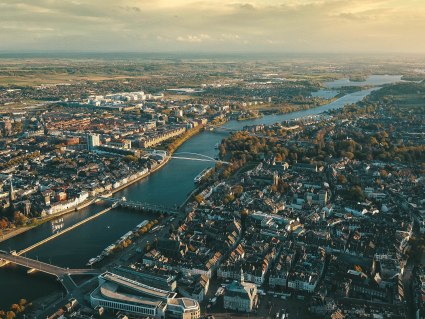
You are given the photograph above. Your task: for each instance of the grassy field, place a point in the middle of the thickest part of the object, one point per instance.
(39, 79)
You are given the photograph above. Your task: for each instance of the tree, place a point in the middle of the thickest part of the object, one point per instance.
(147, 247)
(383, 173)
(199, 198)
(382, 135)
(228, 198)
(356, 194)
(130, 158)
(373, 141)
(14, 307)
(282, 186)
(348, 155)
(237, 190)
(3, 223)
(20, 219)
(341, 179)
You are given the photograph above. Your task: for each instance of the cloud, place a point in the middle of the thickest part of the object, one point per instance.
(213, 25)
(193, 38)
(244, 6)
(134, 9)
(26, 28)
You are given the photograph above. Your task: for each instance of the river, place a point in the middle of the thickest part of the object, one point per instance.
(168, 186)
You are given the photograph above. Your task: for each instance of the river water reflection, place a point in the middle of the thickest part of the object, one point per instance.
(168, 186)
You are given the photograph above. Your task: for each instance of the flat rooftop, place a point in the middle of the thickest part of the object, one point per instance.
(138, 287)
(185, 303)
(109, 291)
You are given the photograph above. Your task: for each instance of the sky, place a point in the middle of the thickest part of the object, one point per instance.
(322, 26)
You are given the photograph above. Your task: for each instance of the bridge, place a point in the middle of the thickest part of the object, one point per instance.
(64, 275)
(60, 233)
(221, 129)
(115, 202)
(201, 157)
(140, 206)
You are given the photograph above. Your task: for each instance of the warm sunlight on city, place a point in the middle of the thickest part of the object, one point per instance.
(177, 159)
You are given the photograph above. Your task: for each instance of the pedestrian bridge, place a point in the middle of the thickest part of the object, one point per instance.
(63, 274)
(199, 157)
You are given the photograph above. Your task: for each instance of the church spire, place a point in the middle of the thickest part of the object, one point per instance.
(11, 191)
(242, 278)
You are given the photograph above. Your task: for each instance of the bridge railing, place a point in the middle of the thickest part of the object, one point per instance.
(140, 205)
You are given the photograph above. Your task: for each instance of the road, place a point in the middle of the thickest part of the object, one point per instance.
(64, 275)
(46, 268)
(80, 292)
(131, 253)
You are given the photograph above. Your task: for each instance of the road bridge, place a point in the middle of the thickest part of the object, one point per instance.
(220, 129)
(63, 274)
(140, 206)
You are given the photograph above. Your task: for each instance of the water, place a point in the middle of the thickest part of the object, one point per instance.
(168, 186)
(271, 119)
(373, 80)
(325, 94)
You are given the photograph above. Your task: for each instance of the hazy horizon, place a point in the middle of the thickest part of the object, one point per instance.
(256, 26)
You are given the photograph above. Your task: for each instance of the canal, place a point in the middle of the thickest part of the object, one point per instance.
(168, 186)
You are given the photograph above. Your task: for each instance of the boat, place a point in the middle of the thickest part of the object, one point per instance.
(92, 261)
(57, 227)
(202, 174)
(216, 146)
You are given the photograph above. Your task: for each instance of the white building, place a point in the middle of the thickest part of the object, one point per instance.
(62, 206)
(93, 140)
(241, 296)
(136, 300)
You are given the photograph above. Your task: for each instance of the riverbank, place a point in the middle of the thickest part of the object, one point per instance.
(21, 230)
(168, 186)
(141, 176)
(15, 232)
(183, 138)
(24, 229)
(254, 117)
(265, 119)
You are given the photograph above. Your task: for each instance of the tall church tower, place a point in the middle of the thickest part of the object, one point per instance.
(242, 277)
(12, 196)
(275, 178)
